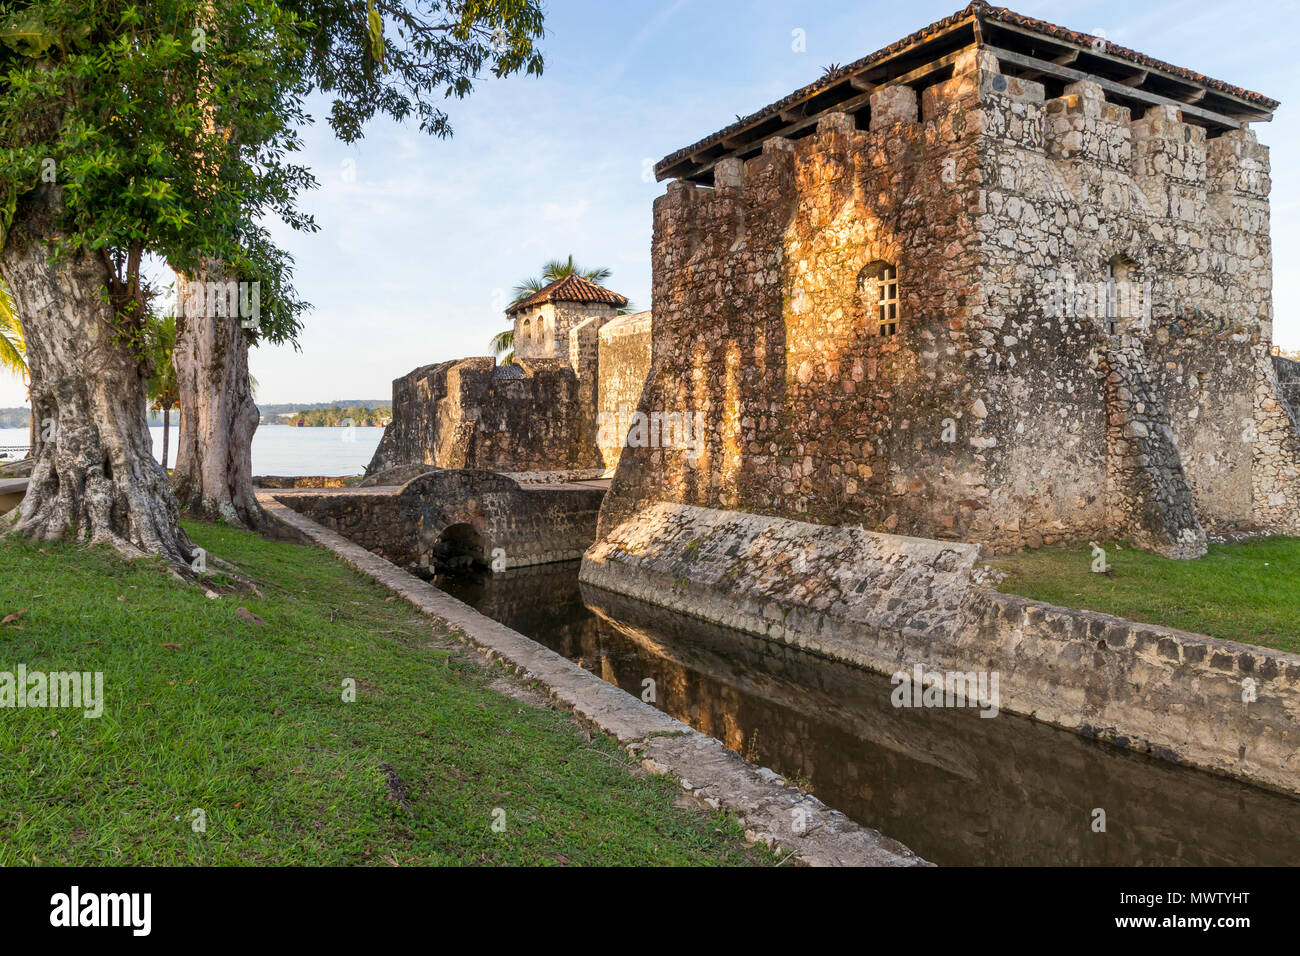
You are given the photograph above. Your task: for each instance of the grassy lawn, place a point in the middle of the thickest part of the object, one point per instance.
(1243, 592)
(245, 721)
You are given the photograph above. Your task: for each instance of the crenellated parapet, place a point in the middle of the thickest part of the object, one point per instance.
(999, 281)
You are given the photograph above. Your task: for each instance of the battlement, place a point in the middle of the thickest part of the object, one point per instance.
(980, 44)
(859, 289)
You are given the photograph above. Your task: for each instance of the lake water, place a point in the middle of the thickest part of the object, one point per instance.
(281, 449)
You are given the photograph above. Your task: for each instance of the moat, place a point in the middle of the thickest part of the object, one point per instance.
(956, 788)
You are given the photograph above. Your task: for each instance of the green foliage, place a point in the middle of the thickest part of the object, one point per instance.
(337, 416)
(162, 128)
(503, 346)
(557, 269)
(164, 391)
(206, 709)
(13, 346)
(416, 56)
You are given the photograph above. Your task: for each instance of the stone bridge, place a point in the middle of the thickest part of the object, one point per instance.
(458, 516)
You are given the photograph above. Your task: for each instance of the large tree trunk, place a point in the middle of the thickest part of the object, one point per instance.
(213, 478)
(94, 477)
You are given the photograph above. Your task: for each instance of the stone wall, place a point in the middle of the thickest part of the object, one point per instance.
(542, 331)
(624, 364)
(887, 603)
(405, 524)
(471, 413)
(1288, 376)
(1007, 409)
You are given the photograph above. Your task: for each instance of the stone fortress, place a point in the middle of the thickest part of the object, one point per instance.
(998, 285)
(999, 282)
(537, 415)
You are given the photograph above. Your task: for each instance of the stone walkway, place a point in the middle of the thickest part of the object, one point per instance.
(772, 811)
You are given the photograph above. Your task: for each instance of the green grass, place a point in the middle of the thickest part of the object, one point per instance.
(1243, 592)
(247, 723)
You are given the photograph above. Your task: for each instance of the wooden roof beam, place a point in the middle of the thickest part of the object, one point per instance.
(1117, 61)
(1144, 96)
(796, 122)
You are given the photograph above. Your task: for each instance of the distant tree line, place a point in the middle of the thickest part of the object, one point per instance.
(336, 416)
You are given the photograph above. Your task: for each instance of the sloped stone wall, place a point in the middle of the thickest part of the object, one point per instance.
(470, 413)
(624, 364)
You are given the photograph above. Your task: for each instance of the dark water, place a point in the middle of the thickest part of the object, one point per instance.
(955, 787)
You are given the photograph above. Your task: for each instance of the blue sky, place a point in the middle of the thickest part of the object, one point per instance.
(421, 239)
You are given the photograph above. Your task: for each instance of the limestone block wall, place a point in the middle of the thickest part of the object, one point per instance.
(1192, 228)
(624, 364)
(766, 306)
(471, 413)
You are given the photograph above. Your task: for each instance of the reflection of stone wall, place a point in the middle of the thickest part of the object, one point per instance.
(957, 788)
(472, 414)
(994, 414)
(624, 364)
(404, 524)
(885, 602)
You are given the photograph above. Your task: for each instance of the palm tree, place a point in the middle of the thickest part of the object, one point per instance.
(163, 391)
(13, 347)
(503, 343)
(13, 350)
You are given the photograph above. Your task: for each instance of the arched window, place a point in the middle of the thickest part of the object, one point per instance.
(878, 292)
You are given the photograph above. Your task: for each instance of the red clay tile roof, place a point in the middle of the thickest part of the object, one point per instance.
(572, 288)
(977, 10)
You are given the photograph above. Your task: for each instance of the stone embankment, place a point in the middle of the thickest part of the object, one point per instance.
(888, 603)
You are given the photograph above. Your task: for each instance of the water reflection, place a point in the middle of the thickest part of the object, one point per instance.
(956, 788)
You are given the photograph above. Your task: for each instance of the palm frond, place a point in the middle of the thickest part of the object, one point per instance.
(13, 345)
(526, 288)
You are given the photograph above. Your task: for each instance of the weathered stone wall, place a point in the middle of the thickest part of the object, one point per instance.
(887, 603)
(404, 524)
(471, 413)
(624, 364)
(1007, 409)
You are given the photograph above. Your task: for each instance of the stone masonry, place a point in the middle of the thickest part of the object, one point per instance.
(989, 304)
(539, 413)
